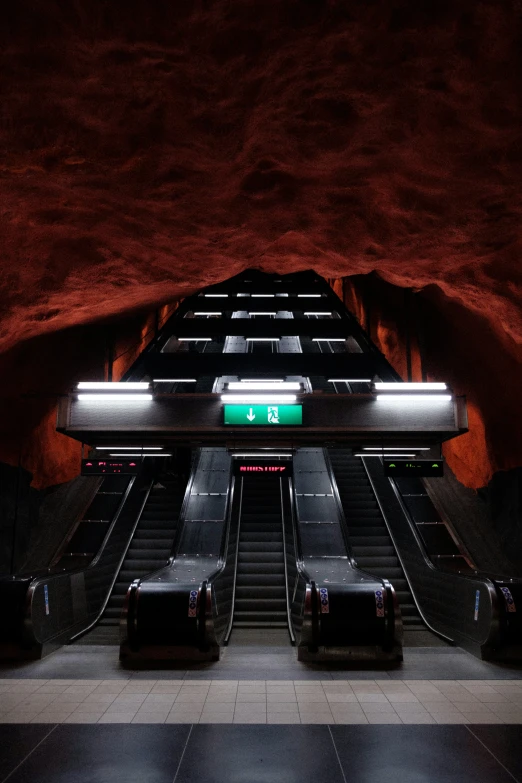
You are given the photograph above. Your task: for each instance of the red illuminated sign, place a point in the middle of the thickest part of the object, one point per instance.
(243, 467)
(104, 467)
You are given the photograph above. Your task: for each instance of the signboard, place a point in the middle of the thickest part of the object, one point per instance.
(263, 415)
(109, 467)
(421, 467)
(272, 467)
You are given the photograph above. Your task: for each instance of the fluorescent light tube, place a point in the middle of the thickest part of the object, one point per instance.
(349, 380)
(263, 296)
(396, 448)
(262, 313)
(194, 339)
(399, 387)
(213, 313)
(306, 296)
(405, 398)
(263, 339)
(115, 397)
(265, 380)
(175, 380)
(132, 448)
(384, 455)
(216, 296)
(329, 339)
(163, 454)
(317, 313)
(254, 399)
(123, 386)
(263, 385)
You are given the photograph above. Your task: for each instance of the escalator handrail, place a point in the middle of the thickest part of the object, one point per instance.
(444, 575)
(37, 579)
(344, 523)
(294, 519)
(236, 559)
(287, 592)
(117, 570)
(183, 510)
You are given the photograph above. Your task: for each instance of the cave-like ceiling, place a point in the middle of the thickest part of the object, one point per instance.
(150, 148)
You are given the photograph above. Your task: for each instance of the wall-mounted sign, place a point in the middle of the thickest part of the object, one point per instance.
(401, 468)
(268, 467)
(263, 415)
(109, 467)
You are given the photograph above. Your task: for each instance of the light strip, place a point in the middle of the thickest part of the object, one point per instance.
(263, 296)
(253, 399)
(306, 296)
(116, 386)
(263, 385)
(416, 397)
(194, 339)
(175, 380)
(265, 380)
(115, 397)
(318, 313)
(349, 380)
(399, 387)
(212, 313)
(216, 296)
(396, 448)
(135, 448)
(257, 455)
(263, 339)
(329, 339)
(164, 454)
(262, 313)
(384, 455)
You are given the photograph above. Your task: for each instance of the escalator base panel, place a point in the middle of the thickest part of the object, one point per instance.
(346, 654)
(167, 653)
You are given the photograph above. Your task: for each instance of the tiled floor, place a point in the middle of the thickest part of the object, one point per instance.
(299, 754)
(346, 701)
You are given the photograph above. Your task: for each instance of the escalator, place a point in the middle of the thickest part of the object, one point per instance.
(260, 594)
(370, 541)
(149, 550)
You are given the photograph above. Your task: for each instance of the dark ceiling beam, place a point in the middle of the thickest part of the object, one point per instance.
(194, 365)
(247, 327)
(233, 302)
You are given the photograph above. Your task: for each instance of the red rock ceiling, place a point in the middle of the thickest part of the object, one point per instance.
(150, 148)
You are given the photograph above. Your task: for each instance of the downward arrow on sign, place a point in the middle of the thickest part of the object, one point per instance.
(251, 416)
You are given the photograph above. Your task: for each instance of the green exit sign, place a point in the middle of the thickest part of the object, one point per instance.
(264, 415)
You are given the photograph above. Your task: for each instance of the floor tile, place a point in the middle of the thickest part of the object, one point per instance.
(17, 742)
(409, 754)
(220, 754)
(119, 754)
(504, 742)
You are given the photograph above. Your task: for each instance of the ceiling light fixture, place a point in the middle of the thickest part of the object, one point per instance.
(115, 397)
(175, 380)
(405, 387)
(405, 398)
(254, 399)
(124, 386)
(263, 385)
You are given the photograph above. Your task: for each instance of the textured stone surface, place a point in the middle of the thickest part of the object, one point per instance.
(147, 149)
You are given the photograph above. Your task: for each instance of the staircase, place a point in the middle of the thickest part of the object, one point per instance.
(149, 550)
(260, 597)
(371, 544)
